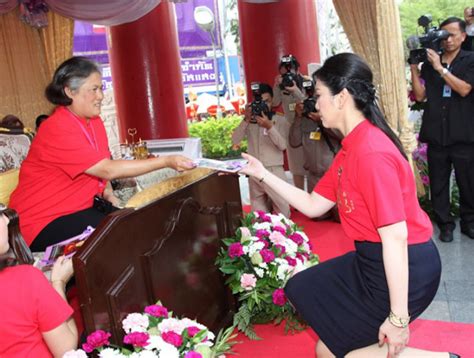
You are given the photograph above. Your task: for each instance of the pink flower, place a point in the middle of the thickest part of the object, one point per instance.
(291, 261)
(425, 179)
(248, 281)
(262, 216)
(96, 340)
(172, 338)
(280, 249)
(267, 255)
(297, 238)
(193, 330)
(235, 250)
(277, 238)
(193, 354)
(279, 297)
(137, 339)
(156, 311)
(261, 233)
(280, 229)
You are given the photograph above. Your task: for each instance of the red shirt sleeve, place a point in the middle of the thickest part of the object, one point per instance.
(50, 308)
(327, 185)
(66, 146)
(381, 189)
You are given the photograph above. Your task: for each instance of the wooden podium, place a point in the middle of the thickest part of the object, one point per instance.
(166, 251)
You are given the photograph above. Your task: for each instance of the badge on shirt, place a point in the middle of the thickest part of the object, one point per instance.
(291, 107)
(446, 91)
(315, 135)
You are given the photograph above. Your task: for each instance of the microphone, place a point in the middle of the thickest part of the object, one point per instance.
(413, 42)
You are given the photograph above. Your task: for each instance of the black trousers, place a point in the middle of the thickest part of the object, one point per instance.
(66, 227)
(441, 160)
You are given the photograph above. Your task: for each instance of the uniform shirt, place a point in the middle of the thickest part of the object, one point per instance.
(266, 145)
(448, 119)
(287, 101)
(52, 182)
(373, 186)
(29, 306)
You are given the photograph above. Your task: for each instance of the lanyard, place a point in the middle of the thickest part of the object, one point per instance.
(92, 141)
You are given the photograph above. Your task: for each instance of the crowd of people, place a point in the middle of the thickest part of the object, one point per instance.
(334, 134)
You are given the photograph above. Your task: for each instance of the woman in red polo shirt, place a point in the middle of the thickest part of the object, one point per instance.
(35, 319)
(69, 162)
(369, 296)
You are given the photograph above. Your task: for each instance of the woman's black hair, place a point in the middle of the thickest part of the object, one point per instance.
(348, 70)
(71, 73)
(19, 251)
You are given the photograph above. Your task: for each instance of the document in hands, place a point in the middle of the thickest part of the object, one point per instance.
(229, 166)
(67, 248)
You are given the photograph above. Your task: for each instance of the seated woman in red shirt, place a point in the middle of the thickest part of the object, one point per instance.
(35, 319)
(69, 162)
(364, 298)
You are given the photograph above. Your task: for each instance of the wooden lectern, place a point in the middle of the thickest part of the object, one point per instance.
(163, 250)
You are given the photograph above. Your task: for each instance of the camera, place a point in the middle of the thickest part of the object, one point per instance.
(257, 106)
(431, 38)
(291, 65)
(309, 104)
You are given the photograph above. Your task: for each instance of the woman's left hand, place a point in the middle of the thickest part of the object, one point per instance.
(179, 163)
(397, 338)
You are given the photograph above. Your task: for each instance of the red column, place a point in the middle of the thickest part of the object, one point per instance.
(146, 71)
(271, 30)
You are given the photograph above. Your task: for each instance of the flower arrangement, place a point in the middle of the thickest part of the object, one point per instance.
(156, 333)
(264, 253)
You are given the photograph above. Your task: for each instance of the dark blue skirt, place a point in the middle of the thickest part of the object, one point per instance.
(346, 299)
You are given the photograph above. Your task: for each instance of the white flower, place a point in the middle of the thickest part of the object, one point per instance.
(259, 272)
(277, 238)
(171, 324)
(283, 271)
(290, 246)
(144, 354)
(79, 353)
(263, 226)
(255, 246)
(110, 353)
(169, 351)
(263, 265)
(135, 322)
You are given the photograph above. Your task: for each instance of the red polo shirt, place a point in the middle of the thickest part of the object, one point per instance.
(29, 306)
(52, 180)
(373, 186)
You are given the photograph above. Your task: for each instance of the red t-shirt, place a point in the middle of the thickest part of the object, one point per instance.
(373, 186)
(52, 181)
(29, 306)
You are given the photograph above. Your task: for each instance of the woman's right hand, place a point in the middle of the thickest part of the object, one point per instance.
(254, 167)
(62, 270)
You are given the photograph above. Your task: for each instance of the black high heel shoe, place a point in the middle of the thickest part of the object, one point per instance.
(454, 355)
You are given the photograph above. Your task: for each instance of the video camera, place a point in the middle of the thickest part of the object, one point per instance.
(309, 104)
(430, 39)
(291, 65)
(258, 106)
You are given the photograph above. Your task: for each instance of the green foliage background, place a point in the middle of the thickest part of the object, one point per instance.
(216, 136)
(411, 10)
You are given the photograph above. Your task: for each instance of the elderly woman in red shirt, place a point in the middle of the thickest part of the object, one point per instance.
(68, 164)
(360, 300)
(35, 319)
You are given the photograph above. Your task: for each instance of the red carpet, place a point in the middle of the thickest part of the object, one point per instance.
(329, 241)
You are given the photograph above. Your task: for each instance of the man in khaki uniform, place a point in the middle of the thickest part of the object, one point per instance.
(288, 97)
(266, 135)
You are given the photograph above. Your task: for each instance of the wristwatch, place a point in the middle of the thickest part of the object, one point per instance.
(444, 72)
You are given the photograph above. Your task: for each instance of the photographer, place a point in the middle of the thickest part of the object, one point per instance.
(319, 144)
(266, 133)
(287, 92)
(448, 126)
(468, 44)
